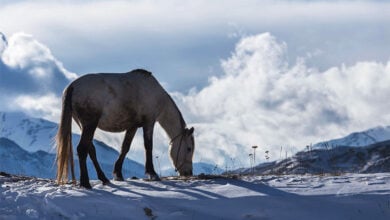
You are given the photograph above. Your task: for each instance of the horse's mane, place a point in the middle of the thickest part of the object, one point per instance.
(182, 122)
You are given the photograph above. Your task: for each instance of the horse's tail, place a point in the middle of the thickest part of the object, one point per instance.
(64, 139)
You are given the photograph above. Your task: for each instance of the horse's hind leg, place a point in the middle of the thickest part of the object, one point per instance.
(99, 171)
(82, 150)
(125, 149)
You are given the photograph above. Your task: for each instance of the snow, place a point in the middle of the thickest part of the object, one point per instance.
(32, 134)
(358, 139)
(349, 196)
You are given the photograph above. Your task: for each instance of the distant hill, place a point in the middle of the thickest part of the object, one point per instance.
(374, 158)
(358, 139)
(27, 148)
(198, 168)
(14, 159)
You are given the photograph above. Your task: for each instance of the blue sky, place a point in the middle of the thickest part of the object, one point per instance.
(268, 73)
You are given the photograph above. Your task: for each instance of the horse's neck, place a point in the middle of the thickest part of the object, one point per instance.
(171, 119)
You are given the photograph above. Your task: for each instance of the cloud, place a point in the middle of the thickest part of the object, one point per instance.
(263, 100)
(30, 76)
(3, 42)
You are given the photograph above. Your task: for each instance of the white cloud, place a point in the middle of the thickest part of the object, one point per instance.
(261, 100)
(48, 106)
(32, 79)
(23, 52)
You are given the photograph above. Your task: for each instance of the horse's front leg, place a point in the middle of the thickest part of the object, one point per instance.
(148, 142)
(125, 149)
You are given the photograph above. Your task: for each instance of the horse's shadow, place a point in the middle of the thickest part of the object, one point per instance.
(192, 189)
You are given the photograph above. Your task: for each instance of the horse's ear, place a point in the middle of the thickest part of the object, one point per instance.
(190, 131)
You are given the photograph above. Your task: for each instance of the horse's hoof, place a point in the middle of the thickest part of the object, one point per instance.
(86, 185)
(154, 178)
(118, 178)
(106, 182)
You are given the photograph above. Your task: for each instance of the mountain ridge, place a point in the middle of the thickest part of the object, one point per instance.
(35, 136)
(358, 139)
(374, 158)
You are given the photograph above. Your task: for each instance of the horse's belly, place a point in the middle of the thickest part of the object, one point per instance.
(115, 123)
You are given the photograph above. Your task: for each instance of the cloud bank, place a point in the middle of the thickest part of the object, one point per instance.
(32, 79)
(262, 100)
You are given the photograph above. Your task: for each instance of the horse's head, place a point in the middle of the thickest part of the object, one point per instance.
(182, 151)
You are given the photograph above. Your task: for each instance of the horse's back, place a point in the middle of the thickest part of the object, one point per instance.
(117, 100)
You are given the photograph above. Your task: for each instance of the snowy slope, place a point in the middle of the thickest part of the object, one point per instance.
(16, 160)
(358, 139)
(32, 134)
(35, 135)
(352, 196)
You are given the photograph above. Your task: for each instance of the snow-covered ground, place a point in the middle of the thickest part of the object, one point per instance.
(350, 196)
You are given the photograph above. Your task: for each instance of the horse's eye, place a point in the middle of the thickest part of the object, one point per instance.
(189, 149)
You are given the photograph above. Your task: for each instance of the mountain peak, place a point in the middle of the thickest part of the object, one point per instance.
(30, 141)
(359, 139)
(28, 132)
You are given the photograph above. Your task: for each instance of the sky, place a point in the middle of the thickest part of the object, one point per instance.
(243, 73)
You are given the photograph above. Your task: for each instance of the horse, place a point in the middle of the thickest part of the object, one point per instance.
(117, 102)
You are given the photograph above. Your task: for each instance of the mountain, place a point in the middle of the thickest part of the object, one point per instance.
(374, 158)
(363, 152)
(198, 168)
(32, 134)
(206, 168)
(358, 139)
(27, 148)
(15, 159)
(27, 145)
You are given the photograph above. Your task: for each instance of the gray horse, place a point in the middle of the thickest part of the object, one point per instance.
(115, 103)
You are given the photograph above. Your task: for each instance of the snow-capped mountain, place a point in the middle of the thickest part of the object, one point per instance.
(33, 140)
(198, 168)
(369, 159)
(358, 139)
(363, 152)
(32, 134)
(15, 159)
